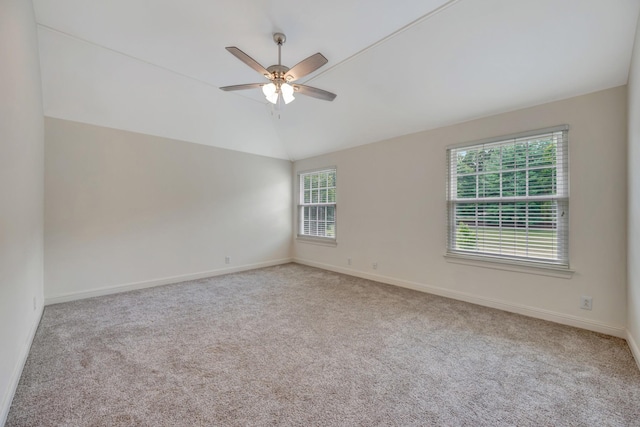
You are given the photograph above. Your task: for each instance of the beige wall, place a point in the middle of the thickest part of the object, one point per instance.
(392, 210)
(21, 192)
(633, 290)
(126, 210)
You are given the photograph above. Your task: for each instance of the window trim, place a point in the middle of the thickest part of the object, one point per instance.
(305, 238)
(506, 262)
(495, 263)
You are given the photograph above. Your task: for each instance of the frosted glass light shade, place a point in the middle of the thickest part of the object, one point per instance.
(273, 98)
(269, 89)
(271, 92)
(287, 93)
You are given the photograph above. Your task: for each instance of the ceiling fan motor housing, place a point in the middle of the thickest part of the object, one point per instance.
(277, 72)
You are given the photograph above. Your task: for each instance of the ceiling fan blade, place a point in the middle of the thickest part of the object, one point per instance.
(242, 87)
(314, 92)
(306, 66)
(248, 60)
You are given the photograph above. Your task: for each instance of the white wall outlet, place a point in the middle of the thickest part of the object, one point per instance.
(348, 261)
(586, 302)
(375, 265)
(227, 260)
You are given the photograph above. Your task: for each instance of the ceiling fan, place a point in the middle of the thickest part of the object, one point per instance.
(281, 77)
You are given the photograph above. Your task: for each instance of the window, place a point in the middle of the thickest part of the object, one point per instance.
(508, 198)
(317, 208)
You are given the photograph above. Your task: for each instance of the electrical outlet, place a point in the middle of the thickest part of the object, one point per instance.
(375, 265)
(586, 302)
(348, 261)
(227, 260)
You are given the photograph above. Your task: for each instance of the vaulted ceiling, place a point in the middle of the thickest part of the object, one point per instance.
(398, 66)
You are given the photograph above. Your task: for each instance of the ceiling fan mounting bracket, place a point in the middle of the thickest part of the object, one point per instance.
(279, 38)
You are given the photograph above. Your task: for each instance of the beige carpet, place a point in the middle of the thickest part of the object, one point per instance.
(294, 345)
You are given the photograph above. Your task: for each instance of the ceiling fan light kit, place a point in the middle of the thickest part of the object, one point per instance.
(280, 87)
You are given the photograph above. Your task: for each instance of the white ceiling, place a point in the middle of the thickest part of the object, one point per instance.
(398, 66)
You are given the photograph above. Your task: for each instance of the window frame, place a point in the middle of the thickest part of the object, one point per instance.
(560, 198)
(331, 241)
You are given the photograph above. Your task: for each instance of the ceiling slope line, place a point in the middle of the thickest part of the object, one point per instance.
(633, 46)
(135, 58)
(385, 39)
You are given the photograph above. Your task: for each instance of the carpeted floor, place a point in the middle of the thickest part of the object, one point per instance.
(294, 345)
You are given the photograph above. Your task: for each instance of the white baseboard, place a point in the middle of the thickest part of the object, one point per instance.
(538, 313)
(72, 296)
(635, 350)
(18, 368)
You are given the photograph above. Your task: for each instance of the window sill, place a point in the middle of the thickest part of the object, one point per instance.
(321, 241)
(507, 265)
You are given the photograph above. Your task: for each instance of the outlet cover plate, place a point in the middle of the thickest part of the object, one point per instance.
(586, 303)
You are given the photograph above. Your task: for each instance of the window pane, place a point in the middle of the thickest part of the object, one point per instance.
(466, 212)
(331, 213)
(521, 214)
(323, 180)
(489, 185)
(305, 220)
(514, 156)
(542, 152)
(509, 157)
(488, 159)
(492, 159)
(331, 229)
(541, 215)
(467, 186)
(321, 213)
(331, 195)
(521, 183)
(307, 196)
(314, 196)
(466, 236)
(508, 184)
(542, 182)
(323, 195)
(466, 161)
(520, 155)
(331, 179)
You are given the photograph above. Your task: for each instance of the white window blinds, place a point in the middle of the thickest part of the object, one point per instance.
(509, 198)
